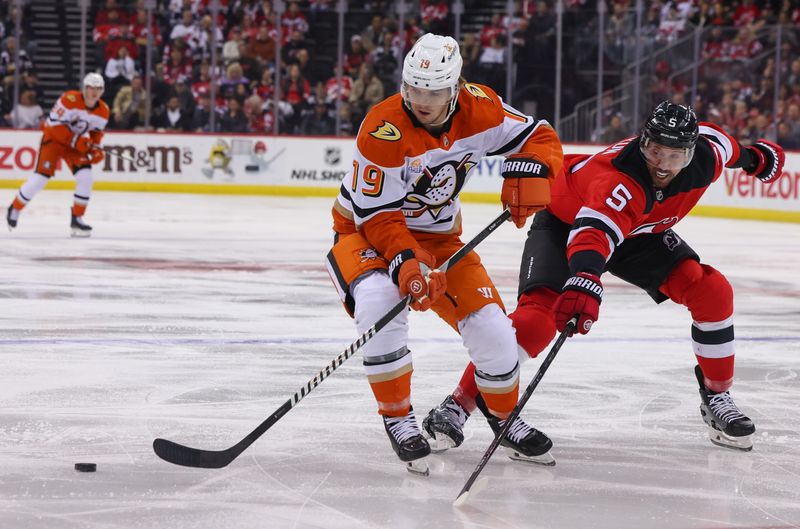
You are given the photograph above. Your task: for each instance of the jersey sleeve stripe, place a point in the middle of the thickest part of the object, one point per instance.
(594, 219)
(515, 142)
(364, 213)
(728, 147)
(575, 231)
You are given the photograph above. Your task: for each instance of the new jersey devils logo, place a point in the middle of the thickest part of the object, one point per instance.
(437, 186)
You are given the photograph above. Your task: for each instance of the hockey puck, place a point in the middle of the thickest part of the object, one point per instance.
(86, 467)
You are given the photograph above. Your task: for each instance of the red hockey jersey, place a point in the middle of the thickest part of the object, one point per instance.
(608, 197)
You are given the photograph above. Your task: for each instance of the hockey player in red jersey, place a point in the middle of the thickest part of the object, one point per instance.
(614, 211)
(72, 133)
(398, 216)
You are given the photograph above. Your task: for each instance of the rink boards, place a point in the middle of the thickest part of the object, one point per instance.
(315, 166)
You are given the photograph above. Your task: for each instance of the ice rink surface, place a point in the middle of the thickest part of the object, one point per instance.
(194, 317)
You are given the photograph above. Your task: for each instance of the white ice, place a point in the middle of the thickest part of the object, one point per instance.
(195, 317)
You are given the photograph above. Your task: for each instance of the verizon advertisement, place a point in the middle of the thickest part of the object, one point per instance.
(313, 165)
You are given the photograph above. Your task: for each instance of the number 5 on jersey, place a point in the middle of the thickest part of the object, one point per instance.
(619, 198)
(373, 179)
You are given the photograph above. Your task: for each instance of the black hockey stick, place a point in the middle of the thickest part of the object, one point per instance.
(566, 333)
(195, 457)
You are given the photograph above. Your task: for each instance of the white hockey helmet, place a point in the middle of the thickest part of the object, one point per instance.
(94, 80)
(431, 72)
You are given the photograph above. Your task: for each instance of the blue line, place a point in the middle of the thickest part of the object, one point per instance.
(341, 341)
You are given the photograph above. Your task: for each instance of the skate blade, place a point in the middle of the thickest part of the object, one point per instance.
(545, 459)
(719, 438)
(418, 467)
(471, 493)
(439, 444)
(80, 234)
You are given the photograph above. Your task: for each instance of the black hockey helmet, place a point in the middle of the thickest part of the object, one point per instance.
(672, 125)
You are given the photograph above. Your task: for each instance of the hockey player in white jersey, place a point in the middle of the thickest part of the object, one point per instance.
(398, 216)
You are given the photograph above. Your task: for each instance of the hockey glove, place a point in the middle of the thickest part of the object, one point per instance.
(770, 158)
(84, 145)
(96, 155)
(411, 272)
(526, 188)
(581, 296)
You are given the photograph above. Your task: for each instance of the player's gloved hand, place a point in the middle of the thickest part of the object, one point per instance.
(581, 296)
(770, 157)
(96, 155)
(84, 145)
(526, 188)
(411, 271)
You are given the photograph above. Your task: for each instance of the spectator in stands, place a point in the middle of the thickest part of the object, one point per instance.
(615, 131)
(185, 29)
(139, 31)
(171, 118)
(111, 14)
(27, 114)
(295, 44)
(202, 38)
(433, 16)
(348, 124)
(230, 50)
(253, 109)
(201, 118)
(128, 110)
(293, 20)
(262, 47)
(234, 120)
(120, 69)
(160, 88)
(234, 78)
(333, 89)
(184, 94)
(491, 30)
(786, 139)
(7, 60)
(372, 35)
(355, 57)
(470, 53)
(265, 88)
(296, 91)
(251, 67)
(385, 62)
(491, 65)
(319, 122)
(367, 91)
(177, 66)
(746, 13)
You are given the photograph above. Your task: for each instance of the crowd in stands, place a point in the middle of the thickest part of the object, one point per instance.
(736, 86)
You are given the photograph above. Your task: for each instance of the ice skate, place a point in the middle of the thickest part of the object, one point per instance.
(527, 444)
(727, 426)
(444, 425)
(408, 442)
(80, 228)
(12, 215)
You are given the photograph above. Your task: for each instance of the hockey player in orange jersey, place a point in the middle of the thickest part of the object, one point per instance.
(397, 217)
(72, 133)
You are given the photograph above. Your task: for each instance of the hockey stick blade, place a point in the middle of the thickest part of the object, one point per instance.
(464, 495)
(187, 456)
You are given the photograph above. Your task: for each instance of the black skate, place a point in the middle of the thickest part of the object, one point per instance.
(80, 228)
(407, 442)
(444, 425)
(11, 217)
(727, 426)
(526, 443)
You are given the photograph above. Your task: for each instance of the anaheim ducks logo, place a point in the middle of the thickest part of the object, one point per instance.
(387, 132)
(436, 187)
(477, 91)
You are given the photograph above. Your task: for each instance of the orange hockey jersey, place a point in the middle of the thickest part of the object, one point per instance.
(399, 166)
